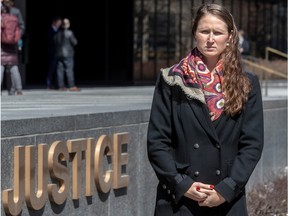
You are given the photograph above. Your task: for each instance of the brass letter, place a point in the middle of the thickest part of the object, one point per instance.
(90, 166)
(103, 180)
(120, 159)
(36, 200)
(76, 146)
(58, 153)
(13, 201)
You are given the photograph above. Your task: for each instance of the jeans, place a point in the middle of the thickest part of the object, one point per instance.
(15, 78)
(65, 65)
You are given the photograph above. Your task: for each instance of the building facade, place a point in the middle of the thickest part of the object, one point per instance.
(127, 42)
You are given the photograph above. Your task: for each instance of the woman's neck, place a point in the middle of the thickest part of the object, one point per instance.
(210, 63)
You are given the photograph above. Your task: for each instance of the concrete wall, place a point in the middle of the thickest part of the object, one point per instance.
(274, 157)
(138, 198)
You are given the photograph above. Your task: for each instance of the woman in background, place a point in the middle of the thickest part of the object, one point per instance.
(9, 52)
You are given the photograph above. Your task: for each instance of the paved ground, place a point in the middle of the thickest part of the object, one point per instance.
(43, 103)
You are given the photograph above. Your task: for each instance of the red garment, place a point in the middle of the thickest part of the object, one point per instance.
(196, 75)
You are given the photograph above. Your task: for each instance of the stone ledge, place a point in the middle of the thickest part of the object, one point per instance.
(22, 127)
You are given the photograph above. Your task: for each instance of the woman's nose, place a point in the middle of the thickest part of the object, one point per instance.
(211, 37)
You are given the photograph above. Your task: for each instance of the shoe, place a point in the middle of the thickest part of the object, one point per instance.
(19, 93)
(10, 93)
(74, 88)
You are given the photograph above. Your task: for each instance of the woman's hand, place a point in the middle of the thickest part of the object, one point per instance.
(204, 194)
(195, 192)
(213, 198)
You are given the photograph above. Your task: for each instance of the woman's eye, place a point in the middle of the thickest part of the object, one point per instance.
(217, 33)
(205, 32)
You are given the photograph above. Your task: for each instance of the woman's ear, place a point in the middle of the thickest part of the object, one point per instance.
(230, 38)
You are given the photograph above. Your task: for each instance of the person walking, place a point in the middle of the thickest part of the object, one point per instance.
(65, 41)
(205, 133)
(9, 52)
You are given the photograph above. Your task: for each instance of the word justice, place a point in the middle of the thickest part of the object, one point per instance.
(53, 162)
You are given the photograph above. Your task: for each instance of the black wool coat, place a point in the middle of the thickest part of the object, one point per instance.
(185, 146)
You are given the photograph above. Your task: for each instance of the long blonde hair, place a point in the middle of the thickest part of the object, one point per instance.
(236, 85)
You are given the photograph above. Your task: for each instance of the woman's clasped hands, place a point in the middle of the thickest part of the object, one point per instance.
(204, 194)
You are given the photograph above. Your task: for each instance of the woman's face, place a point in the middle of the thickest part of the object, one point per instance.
(211, 36)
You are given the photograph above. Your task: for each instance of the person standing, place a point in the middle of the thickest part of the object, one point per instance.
(65, 41)
(51, 79)
(9, 52)
(205, 133)
(244, 45)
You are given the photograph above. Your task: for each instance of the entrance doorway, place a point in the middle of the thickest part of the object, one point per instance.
(104, 54)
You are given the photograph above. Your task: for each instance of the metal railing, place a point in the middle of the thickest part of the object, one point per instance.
(266, 70)
(275, 51)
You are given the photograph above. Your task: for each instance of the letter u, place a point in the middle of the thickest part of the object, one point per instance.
(36, 200)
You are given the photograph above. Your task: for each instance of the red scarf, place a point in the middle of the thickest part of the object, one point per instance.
(195, 74)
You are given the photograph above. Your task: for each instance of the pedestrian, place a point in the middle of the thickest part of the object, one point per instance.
(51, 79)
(9, 51)
(244, 45)
(205, 133)
(65, 41)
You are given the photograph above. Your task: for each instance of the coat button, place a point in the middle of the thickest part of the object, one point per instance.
(173, 197)
(168, 191)
(164, 186)
(196, 146)
(218, 172)
(196, 173)
(217, 146)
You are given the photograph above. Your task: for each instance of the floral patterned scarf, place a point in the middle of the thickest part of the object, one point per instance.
(195, 74)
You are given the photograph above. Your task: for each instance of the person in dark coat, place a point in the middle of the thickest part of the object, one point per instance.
(205, 133)
(244, 45)
(51, 79)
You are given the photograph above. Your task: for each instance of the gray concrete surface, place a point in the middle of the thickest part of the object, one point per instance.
(43, 103)
(37, 103)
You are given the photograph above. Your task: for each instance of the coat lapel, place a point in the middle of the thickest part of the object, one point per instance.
(202, 116)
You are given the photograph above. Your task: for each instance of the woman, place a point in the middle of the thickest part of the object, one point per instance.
(9, 52)
(205, 134)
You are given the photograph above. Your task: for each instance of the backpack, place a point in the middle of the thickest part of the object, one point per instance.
(10, 31)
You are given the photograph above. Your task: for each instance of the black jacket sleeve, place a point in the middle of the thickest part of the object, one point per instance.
(159, 141)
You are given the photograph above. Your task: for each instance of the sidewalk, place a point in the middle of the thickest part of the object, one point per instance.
(42, 103)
